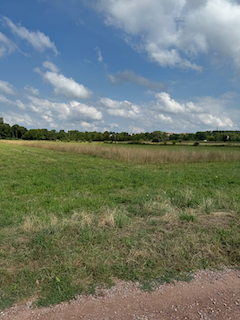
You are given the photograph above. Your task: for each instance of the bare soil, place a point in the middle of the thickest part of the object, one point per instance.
(210, 295)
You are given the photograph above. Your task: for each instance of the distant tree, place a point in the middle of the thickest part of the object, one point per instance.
(5, 131)
(61, 135)
(201, 135)
(34, 134)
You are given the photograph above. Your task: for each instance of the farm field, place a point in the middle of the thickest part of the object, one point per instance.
(73, 217)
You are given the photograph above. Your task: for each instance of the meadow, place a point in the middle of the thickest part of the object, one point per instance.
(77, 216)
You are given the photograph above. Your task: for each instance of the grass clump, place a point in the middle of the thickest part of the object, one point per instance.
(71, 222)
(187, 217)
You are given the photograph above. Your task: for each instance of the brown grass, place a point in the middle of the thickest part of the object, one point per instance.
(135, 155)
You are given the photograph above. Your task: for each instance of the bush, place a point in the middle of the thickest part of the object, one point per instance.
(196, 143)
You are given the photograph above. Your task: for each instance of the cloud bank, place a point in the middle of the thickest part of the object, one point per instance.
(174, 33)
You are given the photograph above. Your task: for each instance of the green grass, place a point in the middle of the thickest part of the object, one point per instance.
(70, 222)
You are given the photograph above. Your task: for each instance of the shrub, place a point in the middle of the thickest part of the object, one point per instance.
(196, 143)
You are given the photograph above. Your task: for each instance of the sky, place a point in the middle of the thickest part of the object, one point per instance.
(120, 65)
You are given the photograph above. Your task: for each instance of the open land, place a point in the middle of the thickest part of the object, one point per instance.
(78, 217)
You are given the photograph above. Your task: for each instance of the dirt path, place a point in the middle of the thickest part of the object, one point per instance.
(211, 295)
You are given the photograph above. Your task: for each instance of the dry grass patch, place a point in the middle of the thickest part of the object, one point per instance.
(33, 223)
(135, 155)
(107, 218)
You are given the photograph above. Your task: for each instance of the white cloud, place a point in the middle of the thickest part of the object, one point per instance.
(88, 126)
(123, 109)
(3, 99)
(100, 58)
(62, 85)
(174, 32)
(20, 119)
(111, 127)
(20, 105)
(166, 119)
(133, 129)
(31, 90)
(6, 88)
(37, 39)
(130, 76)
(166, 103)
(6, 45)
(82, 110)
(51, 66)
(66, 86)
(63, 112)
(214, 122)
(167, 114)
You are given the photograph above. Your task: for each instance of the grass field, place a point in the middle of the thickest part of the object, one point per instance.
(142, 154)
(73, 220)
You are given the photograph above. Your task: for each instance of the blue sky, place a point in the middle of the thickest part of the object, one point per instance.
(120, 65)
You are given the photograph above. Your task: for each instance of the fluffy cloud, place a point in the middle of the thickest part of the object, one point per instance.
(130, 76)
(123, 109)
(166, 119)
(67, 86)
(214, 122)
(6, 88)
(207, 112)
(46, 113)
(73, 111)
(88, 126)
(62, 85)
(165, 103)
(6, 45)
(37, 39)
(51, 66)
(31, 90)
(16, 118)
(174, 32)
(167, 114)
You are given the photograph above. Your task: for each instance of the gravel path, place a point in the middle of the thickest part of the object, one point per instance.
(210, 295)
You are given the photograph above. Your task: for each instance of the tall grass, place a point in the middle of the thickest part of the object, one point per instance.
(141, 155)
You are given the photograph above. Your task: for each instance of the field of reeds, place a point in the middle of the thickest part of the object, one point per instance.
(141, 154)
(74, 217)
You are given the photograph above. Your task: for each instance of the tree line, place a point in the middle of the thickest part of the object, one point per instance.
(20, 132)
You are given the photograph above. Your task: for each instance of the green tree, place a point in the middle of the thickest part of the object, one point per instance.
(5, 131)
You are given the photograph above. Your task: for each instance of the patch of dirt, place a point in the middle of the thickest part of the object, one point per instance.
(210, 295)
